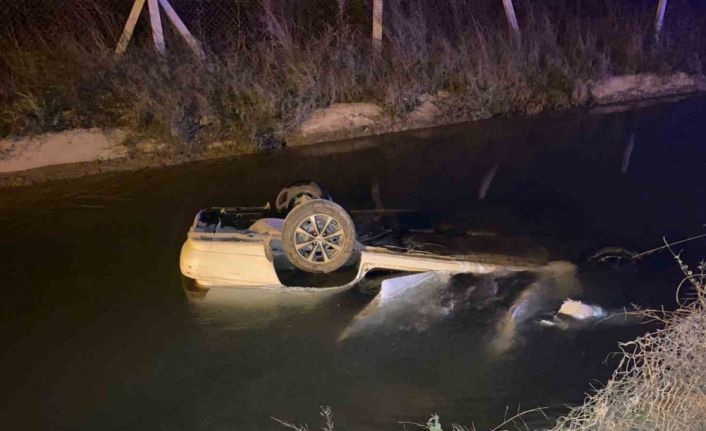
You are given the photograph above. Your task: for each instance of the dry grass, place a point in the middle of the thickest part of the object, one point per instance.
(262, 81)
(660, 383)
(324, 411)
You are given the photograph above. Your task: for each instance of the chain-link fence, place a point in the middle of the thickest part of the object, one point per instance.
(221, 25)
(211, 21)
(217, 22)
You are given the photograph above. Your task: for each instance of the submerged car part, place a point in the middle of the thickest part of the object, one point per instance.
(612, 257)
(298, 193)
(580, 311)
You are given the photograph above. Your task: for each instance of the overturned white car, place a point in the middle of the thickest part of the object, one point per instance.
(249, 247)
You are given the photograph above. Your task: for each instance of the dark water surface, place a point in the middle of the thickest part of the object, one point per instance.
(97, 333)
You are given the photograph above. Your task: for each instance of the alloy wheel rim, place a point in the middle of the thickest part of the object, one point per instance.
(319, 238)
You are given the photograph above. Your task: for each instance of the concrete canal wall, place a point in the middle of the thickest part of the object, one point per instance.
(79, 152)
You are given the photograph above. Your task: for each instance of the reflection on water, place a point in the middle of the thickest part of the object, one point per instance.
(98, 333)
(504, 302)
(247, 308)
(554, 284)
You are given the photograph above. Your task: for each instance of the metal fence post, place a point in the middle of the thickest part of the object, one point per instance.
(377, 24)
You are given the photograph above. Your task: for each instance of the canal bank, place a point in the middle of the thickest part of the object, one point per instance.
(81, 152)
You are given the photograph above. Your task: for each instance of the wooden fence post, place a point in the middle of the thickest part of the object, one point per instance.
(181, 28)
(659, 19)
(377, 25)
(156, 24)
(129, 26)
(512, 19)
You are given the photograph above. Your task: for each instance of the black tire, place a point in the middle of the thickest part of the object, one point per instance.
(297, 193)
(318, 236)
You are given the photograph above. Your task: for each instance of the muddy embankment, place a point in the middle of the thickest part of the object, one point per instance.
(80, 152)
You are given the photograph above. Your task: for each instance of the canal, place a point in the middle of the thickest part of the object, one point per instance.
(97, 332)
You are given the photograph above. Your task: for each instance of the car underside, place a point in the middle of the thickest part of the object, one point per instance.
(316, 245)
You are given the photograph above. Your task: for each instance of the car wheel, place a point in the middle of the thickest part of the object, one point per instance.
(297, 193)
(318, 236)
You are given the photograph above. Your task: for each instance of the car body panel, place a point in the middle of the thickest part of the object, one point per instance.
(227, 262)
(221, 251)
(238, 260)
